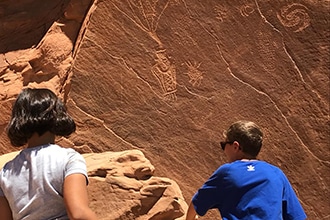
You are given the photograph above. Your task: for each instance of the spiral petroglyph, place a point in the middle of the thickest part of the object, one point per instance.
(246, 10)
(294, 16)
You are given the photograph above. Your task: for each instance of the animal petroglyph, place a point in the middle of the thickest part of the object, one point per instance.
(165, 73)
(195, 75)
(294, 16)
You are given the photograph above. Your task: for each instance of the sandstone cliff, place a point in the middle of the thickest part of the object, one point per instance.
(167, 77)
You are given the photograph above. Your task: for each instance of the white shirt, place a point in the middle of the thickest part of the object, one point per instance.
(33, 181)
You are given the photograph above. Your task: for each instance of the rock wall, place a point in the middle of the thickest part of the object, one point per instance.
(167, 77)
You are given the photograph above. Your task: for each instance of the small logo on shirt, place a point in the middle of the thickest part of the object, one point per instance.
(250, 168)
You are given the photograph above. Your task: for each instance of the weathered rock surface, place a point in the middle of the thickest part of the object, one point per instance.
(123, 186)
(167, 77)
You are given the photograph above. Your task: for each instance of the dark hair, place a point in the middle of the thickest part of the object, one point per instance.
(247, 134)
(38, 111)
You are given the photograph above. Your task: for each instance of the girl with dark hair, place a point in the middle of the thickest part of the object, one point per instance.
(44, 181)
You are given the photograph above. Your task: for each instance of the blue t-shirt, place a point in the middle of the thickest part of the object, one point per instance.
(249, 190)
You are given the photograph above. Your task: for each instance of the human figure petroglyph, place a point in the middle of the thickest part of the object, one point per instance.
(294, 16)
(145, 14)
(165, 73)
(195, 75)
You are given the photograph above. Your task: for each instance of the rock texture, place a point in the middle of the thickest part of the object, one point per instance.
(122, 185)
(167, 77)
(129, 188)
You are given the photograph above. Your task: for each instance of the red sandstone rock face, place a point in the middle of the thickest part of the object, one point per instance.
(122, 183)
(167, 77)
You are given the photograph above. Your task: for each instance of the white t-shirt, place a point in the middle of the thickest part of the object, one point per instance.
(33, 181)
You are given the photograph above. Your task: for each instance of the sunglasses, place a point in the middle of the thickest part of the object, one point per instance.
(224, 143)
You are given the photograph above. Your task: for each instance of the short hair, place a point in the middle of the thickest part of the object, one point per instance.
(247, 134)
(38, 111)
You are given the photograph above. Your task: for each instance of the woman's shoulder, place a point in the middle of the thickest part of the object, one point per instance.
(56, 147)
(48, 152)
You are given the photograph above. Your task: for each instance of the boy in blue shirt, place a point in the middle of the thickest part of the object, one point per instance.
(246, 188)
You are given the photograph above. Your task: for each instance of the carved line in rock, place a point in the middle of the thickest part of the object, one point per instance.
(222, 12)
(147, 10)
(283, 46)
(123, 63)
(286, 51)
(246, 10)
(294, 16)
(163, 70)
(104, 125)
(288, 54)
(198, 95)
(276, 107)
(168, 96)
(302, 80)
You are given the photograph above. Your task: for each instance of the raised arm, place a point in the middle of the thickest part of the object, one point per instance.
(76, 198)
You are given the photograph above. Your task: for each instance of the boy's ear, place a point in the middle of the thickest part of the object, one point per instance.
(237, 145)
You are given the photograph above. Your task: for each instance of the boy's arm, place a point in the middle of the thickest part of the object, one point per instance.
(191, 213)
(76, 198)
(5, 209)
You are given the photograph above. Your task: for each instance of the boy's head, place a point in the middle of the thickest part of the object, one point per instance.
(38, 111)
(247, 134)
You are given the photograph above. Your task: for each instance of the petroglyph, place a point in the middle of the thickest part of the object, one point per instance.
(195, 75)
(294, 16)
(246, 10)
(221, 12)
(267, 48)
(145, 14)
(248, 66)
(165, 73)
